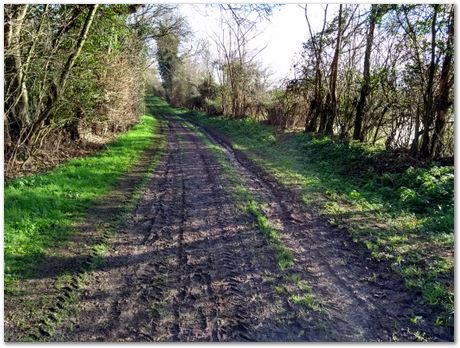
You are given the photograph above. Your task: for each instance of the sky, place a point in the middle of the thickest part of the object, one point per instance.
(283, 35)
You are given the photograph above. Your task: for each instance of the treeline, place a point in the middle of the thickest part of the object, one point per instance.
(381, 74)
(73, 73)
(220, 76)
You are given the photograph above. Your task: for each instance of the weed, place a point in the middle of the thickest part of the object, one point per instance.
(99, 251)
(440, 320)
(304, 300)
(300, 292)
(420, 336)
(295, 278)
(373, 278)
(281, 289)
(434, 293)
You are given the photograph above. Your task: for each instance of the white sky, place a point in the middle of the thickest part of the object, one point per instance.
(283, 34)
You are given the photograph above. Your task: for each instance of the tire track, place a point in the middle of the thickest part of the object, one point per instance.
(337, 269)
(191, 266)
(188, 265)
(218, 324)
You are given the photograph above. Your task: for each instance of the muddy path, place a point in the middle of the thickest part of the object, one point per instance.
(191, 265)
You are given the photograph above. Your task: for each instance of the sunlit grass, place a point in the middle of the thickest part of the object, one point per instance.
(284, 256)
(40, 209)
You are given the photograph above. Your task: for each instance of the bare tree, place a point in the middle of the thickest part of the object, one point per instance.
(365, 89)
(316, 103)
(330, 108)
(444, 99)
(237, 61)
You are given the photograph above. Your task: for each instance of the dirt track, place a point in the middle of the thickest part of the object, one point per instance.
(190, 265)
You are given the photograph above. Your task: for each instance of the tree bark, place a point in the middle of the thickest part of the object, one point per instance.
(331, 99)
(316, 103)
(17, 103)
(379, 124)
(415, 143)
(365, 88)
(428, 97)
(443, 99)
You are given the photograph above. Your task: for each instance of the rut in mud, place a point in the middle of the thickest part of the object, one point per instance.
(191, 265)
(188, 266)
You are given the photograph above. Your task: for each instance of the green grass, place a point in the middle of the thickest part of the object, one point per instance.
(404, 216)
(301, 292)
(298, 291)
(284, 256)
(41, 209)
(99, 251)
(304, 300)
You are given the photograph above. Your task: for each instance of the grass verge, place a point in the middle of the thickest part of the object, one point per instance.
(73, 285)
(41, 209)
(402, 214)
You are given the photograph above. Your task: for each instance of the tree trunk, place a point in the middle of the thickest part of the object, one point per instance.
(428, 97)
(57, 90)
(415, 143)
(315, 112)
(316, 103)
(377, 129)
(365, 88)
(443, 100)
(331, 99)
(16, 98)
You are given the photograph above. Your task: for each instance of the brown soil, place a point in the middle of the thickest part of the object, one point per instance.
(190, 265)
